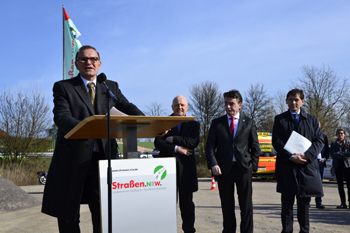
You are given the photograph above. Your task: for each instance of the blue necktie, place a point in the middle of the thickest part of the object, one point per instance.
(295, 117)
(179, 127)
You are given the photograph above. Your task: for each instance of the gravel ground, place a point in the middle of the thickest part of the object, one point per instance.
(266, 203)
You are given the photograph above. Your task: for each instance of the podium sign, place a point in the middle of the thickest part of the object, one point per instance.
(143, 195)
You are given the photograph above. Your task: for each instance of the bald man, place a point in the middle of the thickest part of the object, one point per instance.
(180, 142)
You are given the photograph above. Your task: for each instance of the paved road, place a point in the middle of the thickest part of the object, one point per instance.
(208, 212)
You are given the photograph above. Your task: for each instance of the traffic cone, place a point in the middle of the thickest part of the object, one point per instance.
(213, 186)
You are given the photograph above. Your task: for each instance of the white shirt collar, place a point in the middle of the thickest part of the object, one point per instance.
(236, 116)
(294, 112)
(87, 81)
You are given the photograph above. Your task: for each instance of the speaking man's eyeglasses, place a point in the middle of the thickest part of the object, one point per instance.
(85, 59)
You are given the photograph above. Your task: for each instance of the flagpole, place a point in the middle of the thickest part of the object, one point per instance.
(63, 39)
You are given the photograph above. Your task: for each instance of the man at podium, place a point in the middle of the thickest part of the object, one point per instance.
(180, 142)
(73, 175)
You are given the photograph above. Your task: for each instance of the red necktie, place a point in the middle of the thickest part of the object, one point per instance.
(232, 126)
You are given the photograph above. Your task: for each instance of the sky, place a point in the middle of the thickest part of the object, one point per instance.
(157, 49)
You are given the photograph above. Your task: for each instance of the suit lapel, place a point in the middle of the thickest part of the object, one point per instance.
(226, 126)
(82, 92)
(100, 100)
(183, 130)
(241, 123)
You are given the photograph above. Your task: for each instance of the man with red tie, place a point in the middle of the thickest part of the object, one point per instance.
(232, 154)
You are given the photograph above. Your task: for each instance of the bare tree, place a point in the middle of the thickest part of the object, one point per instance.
(280, 104)
(326, 96)
(155, 109)
(256, 105)
(345, 125)
(269, 118)
(206, 103)
(52, 132)
(24, 118)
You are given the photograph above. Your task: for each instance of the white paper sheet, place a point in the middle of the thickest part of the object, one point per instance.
(116, 112)
(297, 143)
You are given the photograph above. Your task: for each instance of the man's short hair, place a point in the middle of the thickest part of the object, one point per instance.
(84, 48)
(295, 92)
(234, 94)
(340, 130)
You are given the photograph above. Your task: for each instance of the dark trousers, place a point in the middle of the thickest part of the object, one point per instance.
(187, 207)
(302, 213)
(244, 191)
(341, 173)
(91, 195)
(318, 200)
(187, 212)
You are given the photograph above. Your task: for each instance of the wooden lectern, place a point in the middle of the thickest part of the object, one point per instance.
(127, 127)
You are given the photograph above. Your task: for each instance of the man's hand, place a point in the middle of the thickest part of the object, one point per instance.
(170, 139)
(322, 160)
(183, 150)
(216, 170)
(299, 158)
(163, 133)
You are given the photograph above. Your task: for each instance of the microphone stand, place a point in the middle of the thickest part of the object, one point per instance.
(109, 168)
(109, 96)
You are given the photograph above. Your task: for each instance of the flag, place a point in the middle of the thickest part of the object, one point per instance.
(71, 45)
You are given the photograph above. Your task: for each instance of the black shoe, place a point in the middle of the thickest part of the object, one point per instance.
(342, 206)
(320, 206)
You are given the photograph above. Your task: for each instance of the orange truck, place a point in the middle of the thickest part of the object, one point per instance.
(267, 157)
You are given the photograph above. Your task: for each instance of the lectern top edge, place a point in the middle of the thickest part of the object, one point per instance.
(160, 123)
(184, 118)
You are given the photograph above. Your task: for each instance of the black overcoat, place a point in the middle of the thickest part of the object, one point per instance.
(340, 159)
(292, 178)
(188, 137)
(71, 158)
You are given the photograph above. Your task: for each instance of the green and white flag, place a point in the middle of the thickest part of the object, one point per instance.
(71, 45)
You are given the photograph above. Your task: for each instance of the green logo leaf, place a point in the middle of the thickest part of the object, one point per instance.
(160, 172)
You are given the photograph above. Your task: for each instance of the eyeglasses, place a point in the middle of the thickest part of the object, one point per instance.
(85, 59)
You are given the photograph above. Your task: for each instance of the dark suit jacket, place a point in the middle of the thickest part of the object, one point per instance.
(339, 159)
(187, 137)
(325, 149)
(71, 158)
(221, 146)
(292, 178)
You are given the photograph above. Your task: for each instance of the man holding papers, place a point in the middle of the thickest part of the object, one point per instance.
(297, 169)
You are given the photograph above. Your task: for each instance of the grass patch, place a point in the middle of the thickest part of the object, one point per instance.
(203, 171)
(25, 174)
(149, 145)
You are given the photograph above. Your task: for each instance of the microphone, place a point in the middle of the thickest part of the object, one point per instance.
(102, 78)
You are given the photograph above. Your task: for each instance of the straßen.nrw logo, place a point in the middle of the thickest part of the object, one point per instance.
(160, 172)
